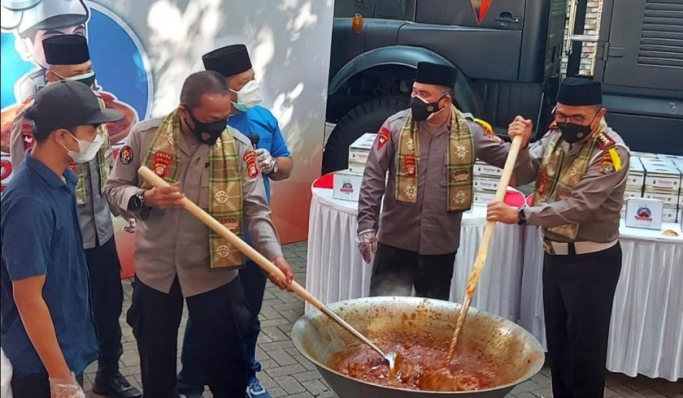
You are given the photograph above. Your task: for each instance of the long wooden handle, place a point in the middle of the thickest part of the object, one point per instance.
(490, 227)
(149, 176)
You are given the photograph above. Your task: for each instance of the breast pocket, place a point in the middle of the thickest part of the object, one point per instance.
(204, 194)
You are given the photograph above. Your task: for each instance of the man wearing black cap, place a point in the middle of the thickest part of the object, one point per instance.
(580, 167)
(275, 162)
(429, 153)
(177, 257)
(48, 332)
(69, 60)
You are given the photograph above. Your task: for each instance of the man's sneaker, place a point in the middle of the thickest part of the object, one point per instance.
(254, 390)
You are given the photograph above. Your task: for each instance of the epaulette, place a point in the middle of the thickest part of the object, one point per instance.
(606, 143)
(488, 130)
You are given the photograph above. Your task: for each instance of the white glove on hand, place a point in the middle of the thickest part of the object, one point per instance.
(265, 161)
(367, 244)
(66, 388)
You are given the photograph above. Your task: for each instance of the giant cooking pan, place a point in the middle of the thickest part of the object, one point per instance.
(517, 355)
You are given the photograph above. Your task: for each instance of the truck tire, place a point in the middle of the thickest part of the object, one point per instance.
(364, 118)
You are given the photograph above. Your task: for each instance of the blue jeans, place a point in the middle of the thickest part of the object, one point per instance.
(191, 378)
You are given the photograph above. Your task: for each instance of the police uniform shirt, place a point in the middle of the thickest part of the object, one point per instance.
(423, 227)
(173, 242)
(596, 200)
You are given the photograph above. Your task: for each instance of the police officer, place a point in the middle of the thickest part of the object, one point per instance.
(429, 152)
(69, 59)
(580, 167)
(176, 255)
(275, 162)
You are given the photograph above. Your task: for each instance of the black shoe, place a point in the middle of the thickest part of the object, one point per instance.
(114, 386)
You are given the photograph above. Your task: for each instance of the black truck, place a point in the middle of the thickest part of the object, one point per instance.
(509, 55)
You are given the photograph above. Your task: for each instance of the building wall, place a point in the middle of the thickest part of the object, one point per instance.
(592, 27)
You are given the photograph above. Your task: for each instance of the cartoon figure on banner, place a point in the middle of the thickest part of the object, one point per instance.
(31, 22)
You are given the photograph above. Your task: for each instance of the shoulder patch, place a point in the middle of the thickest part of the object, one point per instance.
(126, 155)
(488, 130)
(605, 141)
(383, 137)
(250, 159)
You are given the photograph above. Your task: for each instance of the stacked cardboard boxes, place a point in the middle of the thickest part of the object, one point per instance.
(359, 152)
(663, 183)
(347, 182)
(485, 180)
(634, 182)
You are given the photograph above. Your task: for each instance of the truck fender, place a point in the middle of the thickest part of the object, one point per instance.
(408, 56)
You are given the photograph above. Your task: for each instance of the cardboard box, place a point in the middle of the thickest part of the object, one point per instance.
(636, 174)
(644, 213)
(669, 214)
(632, 193)
(346, 185)
(358, 168)
(486, 170)
(484, 197)
(360, 149)
(485, 184)
(644, 155)
(661, 176)
(669, 198)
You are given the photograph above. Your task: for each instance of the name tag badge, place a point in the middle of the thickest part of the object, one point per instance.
(410, 166)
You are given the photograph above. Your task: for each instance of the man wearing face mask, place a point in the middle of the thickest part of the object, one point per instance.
(176, 256)
(429, 152)
(275, 162)
(48, 330)
(580, 167)
(69, 60)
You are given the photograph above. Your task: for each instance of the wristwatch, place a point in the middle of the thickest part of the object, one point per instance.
(137, 202)
(521, 217)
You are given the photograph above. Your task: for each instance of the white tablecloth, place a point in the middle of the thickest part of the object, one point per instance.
(336, 271)
(646, 334)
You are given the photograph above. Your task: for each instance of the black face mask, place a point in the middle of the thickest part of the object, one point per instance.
(422, 110)
(207, 133)
(88, 81)
(573, 133)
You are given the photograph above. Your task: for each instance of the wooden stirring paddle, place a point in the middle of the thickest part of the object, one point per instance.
(480, 260)
(393, 359)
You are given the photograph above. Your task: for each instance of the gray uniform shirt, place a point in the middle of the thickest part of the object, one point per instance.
(424, 227)
(595, 202)
(173, 242)
(96, 223)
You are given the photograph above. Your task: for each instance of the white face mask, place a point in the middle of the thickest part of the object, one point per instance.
(86, 150)
(249, 96)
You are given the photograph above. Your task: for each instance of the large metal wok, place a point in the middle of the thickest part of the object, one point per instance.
(516, 353)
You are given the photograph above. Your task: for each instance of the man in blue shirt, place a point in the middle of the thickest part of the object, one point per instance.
(276, 164)
(48, 332)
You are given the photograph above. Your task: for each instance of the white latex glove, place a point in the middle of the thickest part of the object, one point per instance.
(265, 161)
(367, 244)
(66, 388)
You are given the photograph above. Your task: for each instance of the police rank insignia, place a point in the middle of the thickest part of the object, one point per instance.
(607, 165)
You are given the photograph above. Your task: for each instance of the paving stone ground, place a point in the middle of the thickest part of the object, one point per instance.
(287, 374)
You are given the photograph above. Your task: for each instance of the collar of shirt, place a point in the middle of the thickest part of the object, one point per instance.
(49, 176)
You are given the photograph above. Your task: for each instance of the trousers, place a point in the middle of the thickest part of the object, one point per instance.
(219, 317)
(107, 303)
(35, 386)
(191, 378)
(395, 272)
(578, 292)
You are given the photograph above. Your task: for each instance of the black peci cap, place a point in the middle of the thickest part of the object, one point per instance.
(579, 91)
(228, 61)
(66, 50)
(437, 74)
(66, 104)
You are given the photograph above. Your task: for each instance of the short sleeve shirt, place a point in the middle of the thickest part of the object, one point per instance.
(40, 235)
(260, 121)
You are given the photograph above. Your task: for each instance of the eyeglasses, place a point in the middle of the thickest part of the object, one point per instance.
(573, 119)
